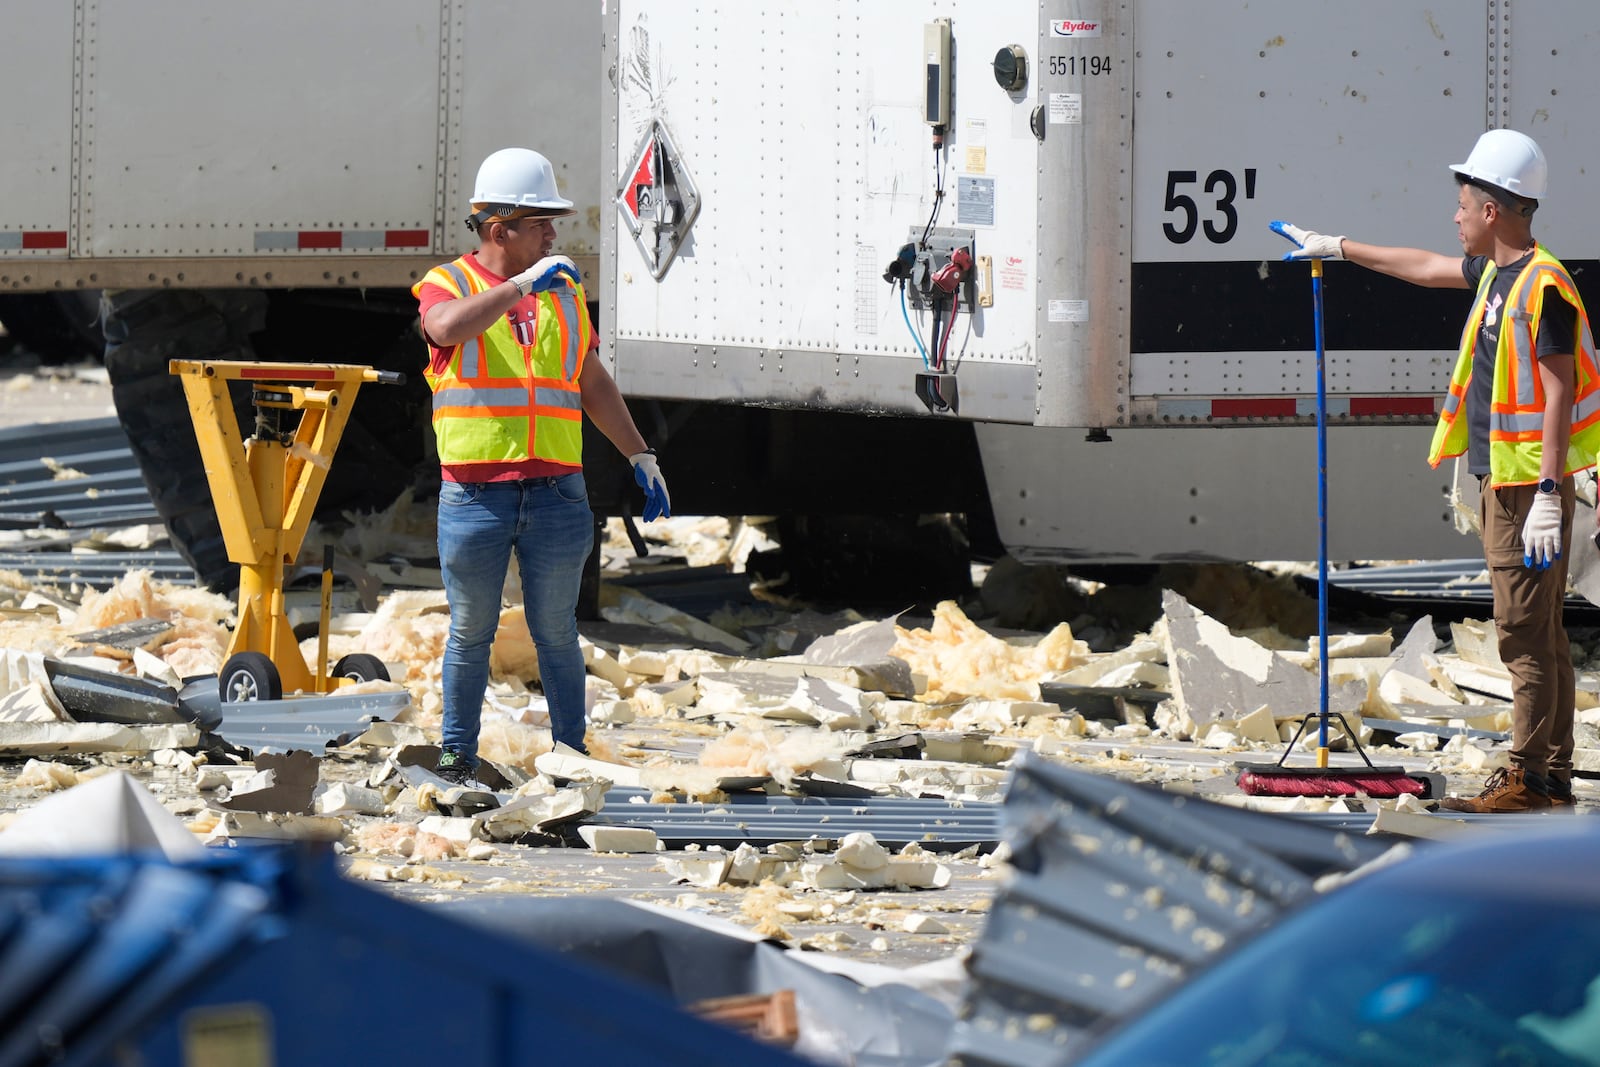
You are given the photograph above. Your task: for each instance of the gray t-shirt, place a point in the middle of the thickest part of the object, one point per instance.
(1557, 322)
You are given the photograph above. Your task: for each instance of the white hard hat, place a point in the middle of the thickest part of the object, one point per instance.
(519, 178)
(1507, 160)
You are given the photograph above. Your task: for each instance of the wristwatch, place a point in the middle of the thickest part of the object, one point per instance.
(1547, 485)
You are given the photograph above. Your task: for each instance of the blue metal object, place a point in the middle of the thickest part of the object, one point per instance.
(267, 955)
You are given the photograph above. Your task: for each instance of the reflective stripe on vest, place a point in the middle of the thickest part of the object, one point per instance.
(499, 400)
(1516, 416)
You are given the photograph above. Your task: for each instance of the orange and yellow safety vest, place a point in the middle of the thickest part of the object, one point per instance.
(1516, 416)
(501, 401)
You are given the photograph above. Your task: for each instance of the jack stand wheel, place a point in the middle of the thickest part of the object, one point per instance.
(361, 667)
(249, 676)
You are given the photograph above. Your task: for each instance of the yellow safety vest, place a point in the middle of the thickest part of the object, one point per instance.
(1516, 417)
(501, 401)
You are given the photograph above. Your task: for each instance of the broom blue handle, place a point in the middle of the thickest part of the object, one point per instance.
(1322, 511)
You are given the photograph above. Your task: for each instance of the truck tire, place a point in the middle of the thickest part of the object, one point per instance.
(383, 446)
(145, 331)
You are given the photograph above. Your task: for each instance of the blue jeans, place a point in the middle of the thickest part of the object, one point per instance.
(547, 523)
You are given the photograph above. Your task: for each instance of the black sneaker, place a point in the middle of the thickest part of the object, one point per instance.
(454, 767)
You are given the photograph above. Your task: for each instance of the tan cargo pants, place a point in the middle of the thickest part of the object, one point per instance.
(1533, 642)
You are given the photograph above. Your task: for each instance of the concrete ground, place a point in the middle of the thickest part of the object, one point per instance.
(30, 393)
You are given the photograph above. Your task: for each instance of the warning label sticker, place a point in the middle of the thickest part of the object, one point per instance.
(1066, 108)
(1068, 311)
(1013, 274)
(974, 200)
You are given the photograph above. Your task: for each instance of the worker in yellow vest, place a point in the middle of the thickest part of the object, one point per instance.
(510, 340)
(1524, 408)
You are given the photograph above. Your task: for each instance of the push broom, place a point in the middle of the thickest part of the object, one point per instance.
(1322, 780)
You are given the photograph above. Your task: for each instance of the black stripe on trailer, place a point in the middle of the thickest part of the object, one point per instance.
(1232, 307)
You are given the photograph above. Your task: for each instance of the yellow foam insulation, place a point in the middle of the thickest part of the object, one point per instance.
(403, 529)
(960, 659)
(512, 743)
(761, 906)
(700, 783)
(136, 596)
(46, 776)
(400, 839)
(407, 629)
(513, 654)
(202, 825)
(365, 870)
(198, 618)
(783, 754)
(1245, 598)
(60, 472)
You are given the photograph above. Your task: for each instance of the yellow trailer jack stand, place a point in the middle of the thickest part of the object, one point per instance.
(265, 489)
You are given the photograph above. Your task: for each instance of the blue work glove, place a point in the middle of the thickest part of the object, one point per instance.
(647, 472)
(1312, 245)
(548, 273)
(1541, 533)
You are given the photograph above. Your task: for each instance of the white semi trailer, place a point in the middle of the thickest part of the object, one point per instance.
(1129, 373)
(1138, 368)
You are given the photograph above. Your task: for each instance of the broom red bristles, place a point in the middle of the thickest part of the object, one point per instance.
(1301, 782)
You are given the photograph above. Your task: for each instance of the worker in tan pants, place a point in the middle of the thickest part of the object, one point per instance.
(1524, 409)
(1533, 641)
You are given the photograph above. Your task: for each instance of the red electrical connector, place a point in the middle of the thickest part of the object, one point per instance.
(949, 276)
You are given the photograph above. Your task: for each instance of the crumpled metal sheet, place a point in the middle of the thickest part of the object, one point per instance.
(1120, 891)
(307, 722)
(112, 495)
(757, 819)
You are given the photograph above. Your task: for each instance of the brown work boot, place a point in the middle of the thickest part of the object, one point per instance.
(1505, 791)
(1561, 798)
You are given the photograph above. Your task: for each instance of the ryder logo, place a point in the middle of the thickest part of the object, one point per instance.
(1074, 28)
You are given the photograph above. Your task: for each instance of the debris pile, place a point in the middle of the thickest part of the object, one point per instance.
(796, 762)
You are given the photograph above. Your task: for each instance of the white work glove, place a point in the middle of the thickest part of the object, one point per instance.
(647, 472)
(1541, 533)
(546, 274)
(1312, 245)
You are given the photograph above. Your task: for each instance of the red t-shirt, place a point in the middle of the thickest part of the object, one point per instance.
(524, 318)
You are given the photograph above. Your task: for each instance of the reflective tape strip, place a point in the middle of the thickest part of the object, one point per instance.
(1294, 407)
(567, 297)
(458, 276)
(467, 397)
(1255, 407)
(469, 359)
(292, 374)
(406, 238)
(1392, 405)
(1586, 408)
(570, 399)
(33, 240)
(338, 240)
(1503, 422)
(276, 240)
